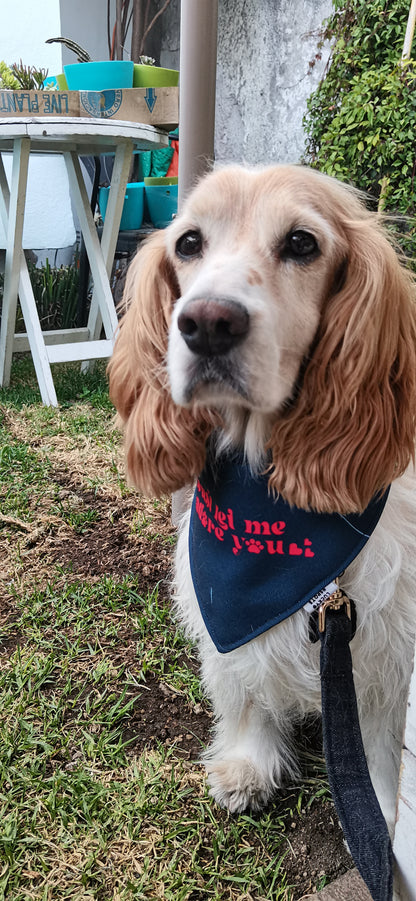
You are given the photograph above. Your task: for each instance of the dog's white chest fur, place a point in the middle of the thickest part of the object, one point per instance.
(259, 690)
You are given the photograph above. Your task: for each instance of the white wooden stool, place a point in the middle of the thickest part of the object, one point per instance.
(73, 138)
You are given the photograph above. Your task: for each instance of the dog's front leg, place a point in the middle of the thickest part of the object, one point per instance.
(251, 750)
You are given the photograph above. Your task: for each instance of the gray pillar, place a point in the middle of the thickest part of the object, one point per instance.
(198, 62)
(198, 67)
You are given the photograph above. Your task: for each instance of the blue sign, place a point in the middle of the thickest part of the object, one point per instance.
(52, 102)
(101, 104)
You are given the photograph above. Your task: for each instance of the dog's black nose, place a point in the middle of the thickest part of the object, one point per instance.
(211, 327)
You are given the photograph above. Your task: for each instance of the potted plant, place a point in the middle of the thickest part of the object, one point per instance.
(147, 75)
(19, 77)
(142, 19)
(87, 75)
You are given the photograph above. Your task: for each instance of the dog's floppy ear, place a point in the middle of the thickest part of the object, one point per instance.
(351, 430)
(165, 444)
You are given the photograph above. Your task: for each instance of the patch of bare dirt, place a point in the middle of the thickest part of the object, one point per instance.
(162, 715)
(112, 546)
(108, 548)
(316, 849)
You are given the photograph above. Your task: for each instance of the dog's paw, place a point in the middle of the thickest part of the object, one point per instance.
(238, 785)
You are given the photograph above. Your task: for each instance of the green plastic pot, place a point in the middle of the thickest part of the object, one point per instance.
(61, 80)
(154, 77)
(161, 180)
(56, 81)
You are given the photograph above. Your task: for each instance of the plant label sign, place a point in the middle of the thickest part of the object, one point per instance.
(151, 106)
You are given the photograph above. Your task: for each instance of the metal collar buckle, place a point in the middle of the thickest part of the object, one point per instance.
(336, 601)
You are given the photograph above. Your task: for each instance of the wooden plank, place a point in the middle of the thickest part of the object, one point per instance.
(129, 105)
(408, 38)
(405, 834)
(21, 342)
(85, 350)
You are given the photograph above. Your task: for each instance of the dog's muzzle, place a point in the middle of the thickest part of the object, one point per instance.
(211, 327)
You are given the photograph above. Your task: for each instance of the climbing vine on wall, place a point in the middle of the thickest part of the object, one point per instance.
(361, 120)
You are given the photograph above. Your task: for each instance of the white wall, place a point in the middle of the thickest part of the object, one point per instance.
(25, 26)
(48, 215)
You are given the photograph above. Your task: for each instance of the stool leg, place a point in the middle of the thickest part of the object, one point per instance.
(36, 339)
(92, 244)
(18, 282)
(111, 227)
(13, 206)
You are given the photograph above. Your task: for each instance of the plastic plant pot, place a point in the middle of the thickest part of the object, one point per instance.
(162, 201)
(154, 77)
(56, 81)
(101, 76)
(132, 215)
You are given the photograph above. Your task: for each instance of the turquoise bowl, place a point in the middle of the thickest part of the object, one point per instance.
(162, 201)
(108, 75)
(132, 215)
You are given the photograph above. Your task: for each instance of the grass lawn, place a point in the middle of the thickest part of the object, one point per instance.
(102, 718)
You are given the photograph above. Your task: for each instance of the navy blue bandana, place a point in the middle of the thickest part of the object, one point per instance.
(255, 560)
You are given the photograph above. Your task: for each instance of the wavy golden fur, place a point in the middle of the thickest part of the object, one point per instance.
(165, 444)
(343, 425)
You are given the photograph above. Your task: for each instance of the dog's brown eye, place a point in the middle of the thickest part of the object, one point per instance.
(300, 244)
(189, 245)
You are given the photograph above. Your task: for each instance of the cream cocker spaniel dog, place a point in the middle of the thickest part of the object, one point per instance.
(273, 320)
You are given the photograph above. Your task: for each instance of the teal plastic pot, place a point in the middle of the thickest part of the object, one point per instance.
(154, 77)
(108, 75)
(132, 215)
(162, 201)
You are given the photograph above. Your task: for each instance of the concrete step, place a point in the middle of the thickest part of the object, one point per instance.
(349, 887)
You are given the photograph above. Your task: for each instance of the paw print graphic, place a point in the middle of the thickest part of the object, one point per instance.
(255, 547)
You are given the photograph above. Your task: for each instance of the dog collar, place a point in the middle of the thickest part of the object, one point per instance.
(255, 560)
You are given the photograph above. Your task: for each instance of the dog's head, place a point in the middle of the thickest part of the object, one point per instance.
(275, 310)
